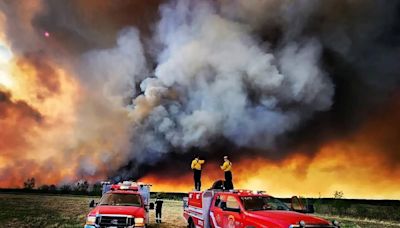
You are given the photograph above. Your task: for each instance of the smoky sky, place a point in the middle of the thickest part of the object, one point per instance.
(238, 77)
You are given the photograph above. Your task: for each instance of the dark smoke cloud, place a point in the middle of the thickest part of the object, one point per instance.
(76, 26)
(359, 44)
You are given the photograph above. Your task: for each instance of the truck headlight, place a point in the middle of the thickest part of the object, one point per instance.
(139, 221)
(91, 220)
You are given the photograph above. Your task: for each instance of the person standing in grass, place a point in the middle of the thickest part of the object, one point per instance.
(227, 168)
(159, 204)
(196, 167)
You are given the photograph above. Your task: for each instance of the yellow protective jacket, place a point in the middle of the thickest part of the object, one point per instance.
(196, 164)
(227, 166)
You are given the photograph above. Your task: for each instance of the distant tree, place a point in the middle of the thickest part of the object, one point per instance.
(52, 188)
(96, 189)
(338, 195)
(341, 206)
(44, 188)
(29, 183)
(81, 186)
(65, 188)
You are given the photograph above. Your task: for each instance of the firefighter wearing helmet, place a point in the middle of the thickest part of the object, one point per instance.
(196, 167)
(227, 168)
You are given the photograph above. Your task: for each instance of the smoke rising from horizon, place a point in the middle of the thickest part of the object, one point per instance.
(122, 86)
(214, 80)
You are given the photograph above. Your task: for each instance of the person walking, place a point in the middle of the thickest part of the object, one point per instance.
(227, 168)
(158, 204)
(196, 167)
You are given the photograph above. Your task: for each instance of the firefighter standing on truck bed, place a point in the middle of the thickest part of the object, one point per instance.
(227, 168)
(196, 167)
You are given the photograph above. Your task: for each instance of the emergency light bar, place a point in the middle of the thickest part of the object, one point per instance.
(126, 185)
(247, 191)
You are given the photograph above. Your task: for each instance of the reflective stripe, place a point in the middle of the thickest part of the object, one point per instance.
(196, 209)
(195, 216)
(213, 220)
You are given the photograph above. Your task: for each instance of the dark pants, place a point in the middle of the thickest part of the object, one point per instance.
(158, 215)
(197, 179)
(228, 180)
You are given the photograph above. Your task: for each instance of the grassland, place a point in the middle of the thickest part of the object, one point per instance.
(38, 210)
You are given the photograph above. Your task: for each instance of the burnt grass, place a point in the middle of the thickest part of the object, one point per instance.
(55, 210)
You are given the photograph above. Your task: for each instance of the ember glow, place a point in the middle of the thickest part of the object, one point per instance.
(292, 91)
(337, 167)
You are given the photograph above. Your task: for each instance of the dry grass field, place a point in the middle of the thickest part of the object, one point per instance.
(38, 210)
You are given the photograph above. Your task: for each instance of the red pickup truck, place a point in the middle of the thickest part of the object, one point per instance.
(247, 209)
(122, 205)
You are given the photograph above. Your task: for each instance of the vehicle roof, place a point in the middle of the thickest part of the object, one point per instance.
(124, 192)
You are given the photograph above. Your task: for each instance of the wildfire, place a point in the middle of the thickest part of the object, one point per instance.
(337, 167)
(355, 165)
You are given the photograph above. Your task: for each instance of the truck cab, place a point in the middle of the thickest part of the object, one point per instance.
(121, 205)
(244, 208)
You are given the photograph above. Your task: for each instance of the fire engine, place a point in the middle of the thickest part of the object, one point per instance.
(124, 204)
(218, 208)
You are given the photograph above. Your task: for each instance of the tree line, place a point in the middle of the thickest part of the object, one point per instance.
(81, 187)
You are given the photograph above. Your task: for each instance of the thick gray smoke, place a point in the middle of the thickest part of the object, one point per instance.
(215, 80)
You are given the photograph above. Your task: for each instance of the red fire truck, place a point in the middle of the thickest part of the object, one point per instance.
(248, 209)
(122, 205)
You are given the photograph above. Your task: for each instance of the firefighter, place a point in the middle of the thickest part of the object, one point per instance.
(159, 204)
(227, 168)
(196, 167)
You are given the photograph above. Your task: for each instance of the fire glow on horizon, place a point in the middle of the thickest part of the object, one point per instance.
(314, 177)
(338, 166)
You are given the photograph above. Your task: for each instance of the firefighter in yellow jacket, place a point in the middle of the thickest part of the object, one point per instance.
(227, 168)
(196, 167)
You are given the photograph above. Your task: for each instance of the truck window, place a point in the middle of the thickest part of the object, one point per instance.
(232, 202)
(116, 199)
(258, 203)
(217, 201)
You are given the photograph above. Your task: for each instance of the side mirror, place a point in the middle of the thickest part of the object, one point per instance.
(91, 204)
(151, 206)
(298, 206)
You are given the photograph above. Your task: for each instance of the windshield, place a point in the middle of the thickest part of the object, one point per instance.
(259, 203)
(115, 199)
